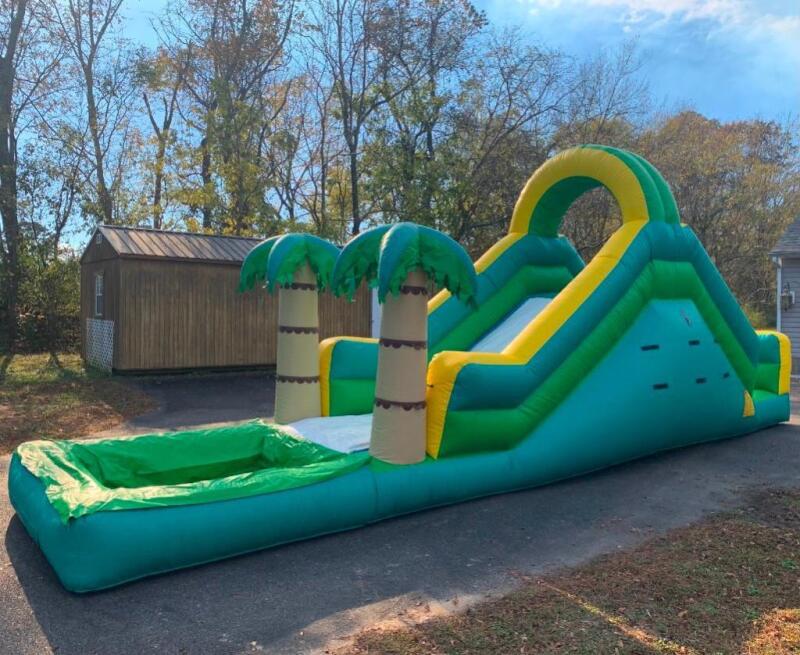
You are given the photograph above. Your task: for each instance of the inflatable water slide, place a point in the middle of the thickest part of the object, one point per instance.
(574, 367)
(557, 368)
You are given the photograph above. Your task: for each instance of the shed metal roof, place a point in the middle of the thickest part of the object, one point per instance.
(163, 244)
(789, 243)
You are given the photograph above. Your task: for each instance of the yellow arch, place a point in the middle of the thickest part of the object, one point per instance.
(604, 167)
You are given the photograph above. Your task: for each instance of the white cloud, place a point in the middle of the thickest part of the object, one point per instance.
(727, 58)
(747, 20)
(724, 12)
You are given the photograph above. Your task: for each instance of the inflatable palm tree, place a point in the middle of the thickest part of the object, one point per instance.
(402, 259)
(254, 266)
(299, 266)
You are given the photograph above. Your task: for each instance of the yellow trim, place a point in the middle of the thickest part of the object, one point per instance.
(445, 366)
(485, 261)
(438, 300)
(326, 347)
(749, 407)
(609, 170)
(549, 321)
(785, 360)
(785, 348)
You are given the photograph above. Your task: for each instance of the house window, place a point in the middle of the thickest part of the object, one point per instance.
(99, 294)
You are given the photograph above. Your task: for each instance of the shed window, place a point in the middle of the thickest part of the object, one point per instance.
(99, 294)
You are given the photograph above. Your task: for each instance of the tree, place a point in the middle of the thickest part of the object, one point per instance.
(607, 102)
(604, 92)
(404, 259)
(322, 149)
(406, 169)
(27, 65)
(85, 27)
(163, 77)
(454, 154)
(286, 166)
(235, 90)
(501, 122)
(737, 185)
(355, 42)
(14, 20)
(299, 265)
(50, 180)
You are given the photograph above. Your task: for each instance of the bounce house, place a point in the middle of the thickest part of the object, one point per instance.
(529, 368)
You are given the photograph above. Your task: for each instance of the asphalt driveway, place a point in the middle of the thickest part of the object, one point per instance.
(192, 400)
(302, 597)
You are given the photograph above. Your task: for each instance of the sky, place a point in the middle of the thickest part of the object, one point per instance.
(728, 59)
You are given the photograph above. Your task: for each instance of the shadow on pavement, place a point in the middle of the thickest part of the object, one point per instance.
(259, 600)
(201, 399)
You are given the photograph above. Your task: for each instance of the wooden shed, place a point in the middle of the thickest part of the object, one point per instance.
(154, 300)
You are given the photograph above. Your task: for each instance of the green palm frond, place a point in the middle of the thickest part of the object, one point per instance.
(292, 251)
(385, 255)
(358, 261)
(254, 266)
(407, 247)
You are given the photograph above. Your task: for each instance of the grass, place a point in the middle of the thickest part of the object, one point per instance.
(728, 585)
(42, 397)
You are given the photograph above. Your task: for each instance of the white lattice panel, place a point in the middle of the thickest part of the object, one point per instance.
(100, 343)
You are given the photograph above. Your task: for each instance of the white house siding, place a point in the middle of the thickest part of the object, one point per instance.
(790, 319)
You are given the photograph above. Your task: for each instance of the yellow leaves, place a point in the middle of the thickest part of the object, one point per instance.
(192, 224)
(778, 633)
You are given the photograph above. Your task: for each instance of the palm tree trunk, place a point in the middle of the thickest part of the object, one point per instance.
(398, 423)
(297, 380)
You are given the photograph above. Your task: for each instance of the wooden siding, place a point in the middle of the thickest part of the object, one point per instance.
(110, 270)
(97, 252)
(790, 319)
(179, 315)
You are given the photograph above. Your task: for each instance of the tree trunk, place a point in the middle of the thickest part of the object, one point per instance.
(158, 210)
(103, 194)
(398, 422)
(8, 210)
(323, 180)
(355, 205)
(205, 175)
(8, 172)
(297, 394)
(10, 217)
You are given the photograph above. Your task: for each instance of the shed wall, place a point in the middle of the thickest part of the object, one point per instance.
(177, 315)
(96, 252)
(110, 269)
